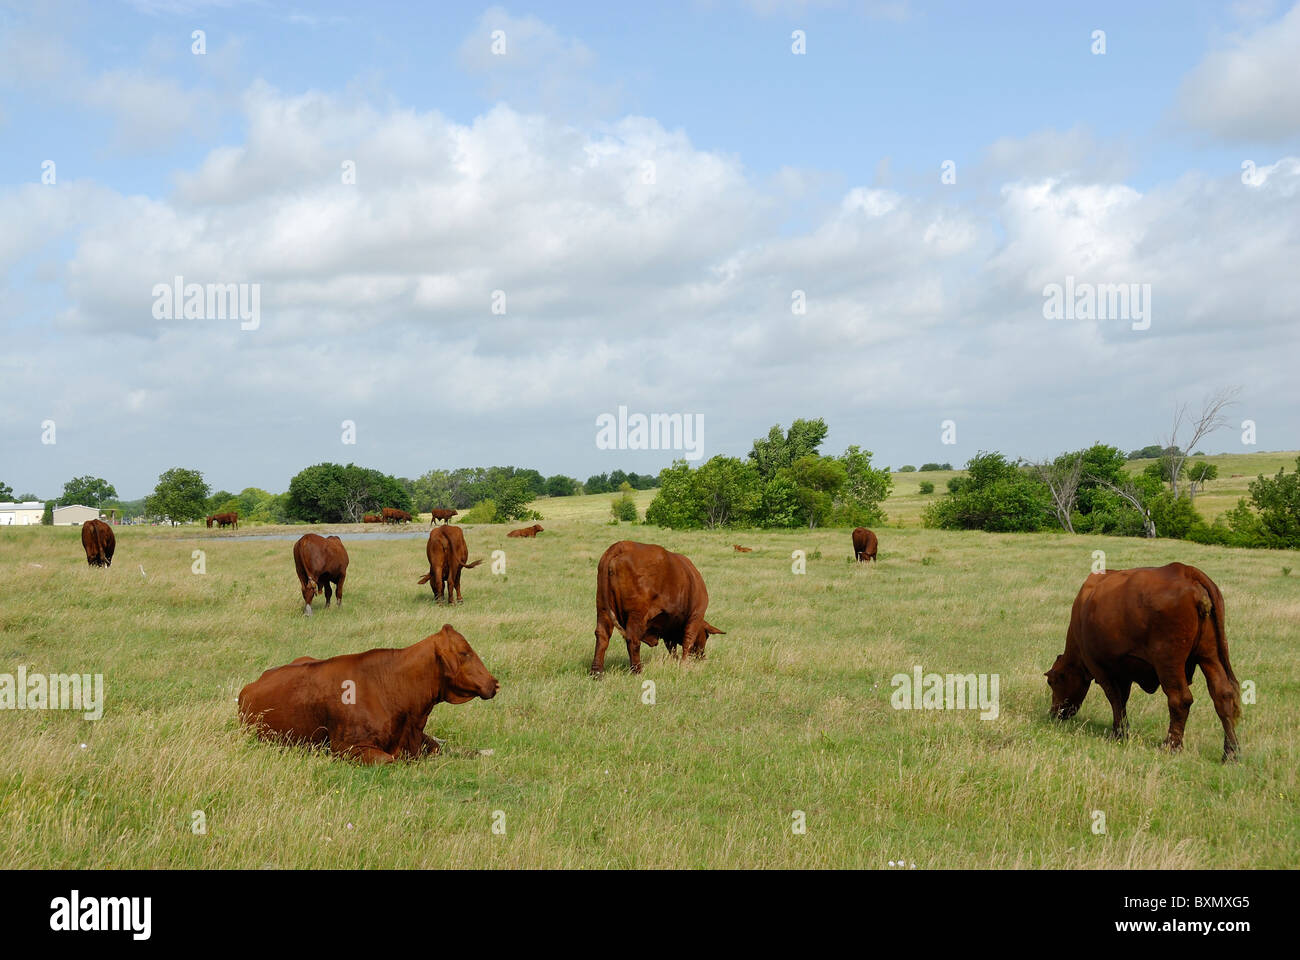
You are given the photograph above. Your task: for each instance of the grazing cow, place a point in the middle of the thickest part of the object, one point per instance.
(371, 518)
(649, 594)
(740, 549)
(1151, 626)
(99, 543)
(448, 555)
(392, 693)
(864, 544)
(532, 531)
(224, 520)
(443, 514)
(321, 562)
(393, 515)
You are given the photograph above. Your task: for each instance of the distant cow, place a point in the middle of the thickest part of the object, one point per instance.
(371, 518)
(740, 549)
(442, 514)
(532, 531)
(1151, 626)
(448, 555)
(393, 515)
(393, 692)
(99, 543)
(649, 594)
(864, 544)
(224, 520)
(322, 562)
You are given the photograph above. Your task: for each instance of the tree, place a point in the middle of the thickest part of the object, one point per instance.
(333, 493)
(858, 503)
(727, 491)
(181, 494)
(561, 486)
(623, 507)
(88, 491)
(926, 487)
(6, 492)
(927, 467)
(907, 468)
(47, 517)
(1136, 494)
(1198, 475)
(778, 449)
(1061, 477)
(1278, 501)
(996, 495)
(1212, 417)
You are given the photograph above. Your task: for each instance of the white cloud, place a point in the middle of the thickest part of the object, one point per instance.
(1250, 89)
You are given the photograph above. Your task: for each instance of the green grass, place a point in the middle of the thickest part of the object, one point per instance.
(789, 712)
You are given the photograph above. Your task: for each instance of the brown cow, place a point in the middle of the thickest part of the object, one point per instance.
(98, 541)
(649, 594)
(740, 549)
(864, 544)
(448, 555)
(321, 562)
(1151, 626)
(441, 513)
(224, 520)
(393, 515)
(371, 518)
(532, 531)
(393, 691)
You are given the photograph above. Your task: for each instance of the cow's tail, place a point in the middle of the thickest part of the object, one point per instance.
(471, 566)
(426, 578)
(1220, 636)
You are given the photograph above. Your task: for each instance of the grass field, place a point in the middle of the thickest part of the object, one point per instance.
(790, 712)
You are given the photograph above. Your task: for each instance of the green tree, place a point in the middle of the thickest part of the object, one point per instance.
(623, 507)
(6, 492)
(1278, 501)
(561, 486)
(47, 518)
(181, 494)
(996, 495)
(333, 493)
(677, 505)
(865, 489)
(926, 487)
(781, 449)
(88, 491)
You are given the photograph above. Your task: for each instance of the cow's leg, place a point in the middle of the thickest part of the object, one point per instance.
(604, 627)
(1179, 694)
(329, 592)
(1117, 693)
(430, 745)
(368, 755)
(634, 633)
(1226, 704)
(338, 590)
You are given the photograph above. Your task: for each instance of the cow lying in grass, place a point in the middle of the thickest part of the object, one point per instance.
(372, 706)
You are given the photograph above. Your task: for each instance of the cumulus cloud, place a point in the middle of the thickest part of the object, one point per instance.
(1250, 89)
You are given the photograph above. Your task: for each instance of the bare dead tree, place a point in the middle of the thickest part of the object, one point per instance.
(1213, 416)
(1062, 477)
(1133, 496)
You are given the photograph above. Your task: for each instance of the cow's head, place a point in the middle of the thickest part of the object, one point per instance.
(308, 592)
(1069, 683)
(538, 528)
(209, 521)
(464, 676)
(709, 630)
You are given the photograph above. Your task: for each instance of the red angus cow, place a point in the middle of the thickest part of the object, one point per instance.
(393, 515)
(443, 514)
(649, 594)
(448, 556)
(224, 520)
(532, 531)
(322, 562)
(1151, 626)
(393, 690)
(371, 518)
(99, 542)
(864, 544)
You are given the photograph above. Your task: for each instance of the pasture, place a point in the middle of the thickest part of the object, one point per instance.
(790, 712)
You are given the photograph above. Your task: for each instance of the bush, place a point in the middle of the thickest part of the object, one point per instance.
(485, 511)
(907, 468)
(927, 487)
(927, 467)
(623, 507)
(996, 496)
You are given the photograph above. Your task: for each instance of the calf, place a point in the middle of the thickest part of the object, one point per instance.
(532, 531)
(441, 513)
(372, 706)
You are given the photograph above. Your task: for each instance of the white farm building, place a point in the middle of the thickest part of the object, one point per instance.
(74, 515)
(21, 514)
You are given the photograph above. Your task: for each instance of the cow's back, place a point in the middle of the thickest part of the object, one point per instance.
(644, 579)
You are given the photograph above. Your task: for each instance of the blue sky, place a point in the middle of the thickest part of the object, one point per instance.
(776, 172)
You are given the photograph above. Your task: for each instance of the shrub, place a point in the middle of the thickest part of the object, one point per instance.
(907, 468)
(927, 487)
(623, 507)
(485, 511)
